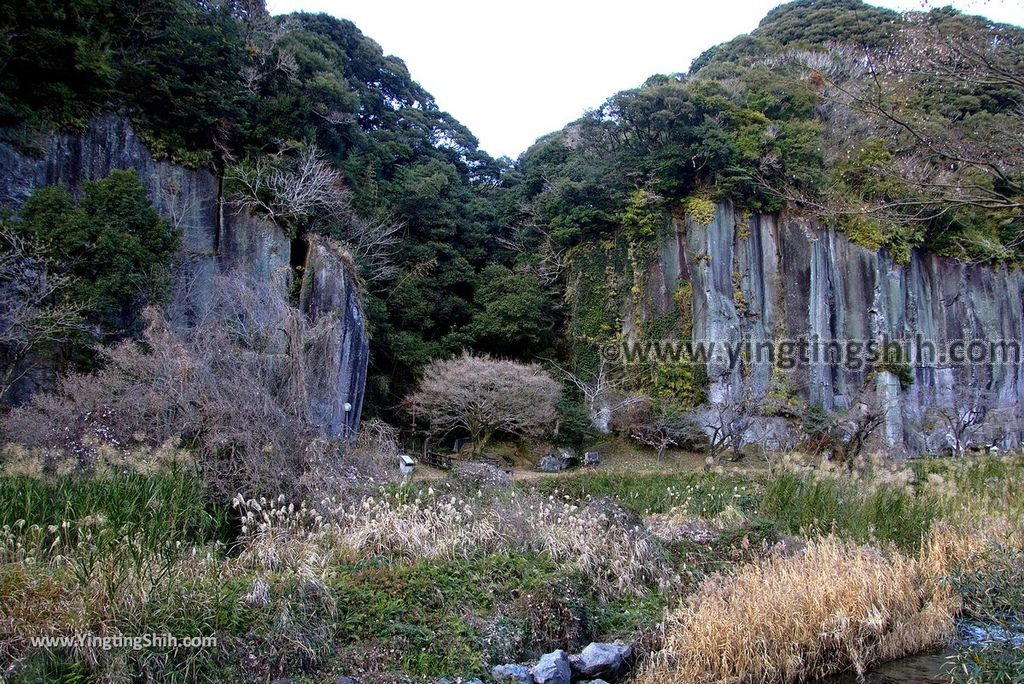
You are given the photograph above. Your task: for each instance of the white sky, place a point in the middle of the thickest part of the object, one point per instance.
(513, 71)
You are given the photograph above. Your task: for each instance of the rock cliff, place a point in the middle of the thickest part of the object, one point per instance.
(215, 239)
(770, 278)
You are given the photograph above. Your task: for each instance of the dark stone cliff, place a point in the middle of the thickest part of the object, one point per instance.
(215, 239)
(772, 278)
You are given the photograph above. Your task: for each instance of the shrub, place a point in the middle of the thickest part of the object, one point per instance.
(112, 243)
(484, 396)
(233, 388)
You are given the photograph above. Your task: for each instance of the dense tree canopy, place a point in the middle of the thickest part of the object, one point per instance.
(111, 247)
(899, 128)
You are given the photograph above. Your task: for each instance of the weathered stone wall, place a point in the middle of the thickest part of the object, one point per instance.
(215, 239)
(330, 298)
(768, 277)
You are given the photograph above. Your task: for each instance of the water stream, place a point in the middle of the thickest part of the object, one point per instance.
(931, 668)
(936, 668)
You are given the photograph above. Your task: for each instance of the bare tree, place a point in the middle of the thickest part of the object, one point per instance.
(372, 244)
(724, 425)
(299, 189)
(539, 255)
(1005, 424)
(962, 418)
(858, 424)
(667, 428)
(35, 311)
(293, 184)
(483, 396)
(602, 394)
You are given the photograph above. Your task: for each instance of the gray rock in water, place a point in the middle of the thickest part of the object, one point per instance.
(599, 660)
(512, 674)
(553, 668)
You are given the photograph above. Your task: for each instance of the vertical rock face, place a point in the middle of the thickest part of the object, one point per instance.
(215, 238)
(765, 278)
(330, 298)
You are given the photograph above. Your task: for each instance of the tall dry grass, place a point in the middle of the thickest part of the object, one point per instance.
(836, 606)
(614, 555)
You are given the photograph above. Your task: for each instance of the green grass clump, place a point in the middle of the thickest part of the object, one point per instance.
(885, 513)
(158, 508)
(457, 617)
(704, 494)
(987, 484)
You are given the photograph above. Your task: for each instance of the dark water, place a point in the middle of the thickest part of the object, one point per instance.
(936, 668)
(920, 669)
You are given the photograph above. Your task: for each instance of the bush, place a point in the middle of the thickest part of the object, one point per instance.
(112, 243)
(482, 396)
(233, 388)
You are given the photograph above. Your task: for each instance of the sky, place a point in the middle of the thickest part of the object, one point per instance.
(514, 71)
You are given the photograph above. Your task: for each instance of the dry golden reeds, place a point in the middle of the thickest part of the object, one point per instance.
(835, 606)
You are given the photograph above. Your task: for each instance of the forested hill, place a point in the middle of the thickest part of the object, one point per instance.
(225, 85)
(902, 130)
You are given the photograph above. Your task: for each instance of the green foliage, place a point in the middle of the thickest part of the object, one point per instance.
(810, 504)
(682, 384)
(591, 294)
(704, 494)
(182, 77)
(56, 65)
(112, 242)
(574, 424)
(863, 231)
(513, 314)
(892, 361)
(700, 208)
(817, 22)
(641, 217)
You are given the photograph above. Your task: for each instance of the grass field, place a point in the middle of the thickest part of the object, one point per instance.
(431, 579)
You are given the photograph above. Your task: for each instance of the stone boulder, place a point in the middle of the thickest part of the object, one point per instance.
(562, 459)
(602, 660)
(511, 674)
(553, 668)
(479, 475)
